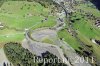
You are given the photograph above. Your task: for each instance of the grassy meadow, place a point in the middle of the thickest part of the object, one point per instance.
(16, 16)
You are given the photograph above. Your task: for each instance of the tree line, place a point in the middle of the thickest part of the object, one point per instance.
(20, 56)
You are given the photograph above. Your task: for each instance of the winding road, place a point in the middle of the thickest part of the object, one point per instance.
(37, 46)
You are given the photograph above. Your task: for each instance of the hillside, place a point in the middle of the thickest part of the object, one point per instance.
(64, 29)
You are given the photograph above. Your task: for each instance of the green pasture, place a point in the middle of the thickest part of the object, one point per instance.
(69, 39)
(22, 15)
(89, 8)
(86, 31)
(85, 27)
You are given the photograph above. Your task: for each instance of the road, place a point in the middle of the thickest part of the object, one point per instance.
(38, 47)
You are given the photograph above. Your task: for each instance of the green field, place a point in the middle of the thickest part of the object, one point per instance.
(85, 27)
(69, 39)
(16, 16)
(19, 16)
(87, 31)
(89, 8)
